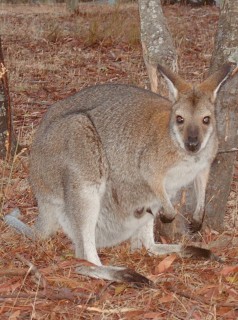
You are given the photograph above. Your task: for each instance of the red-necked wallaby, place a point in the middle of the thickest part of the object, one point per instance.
(104, 161)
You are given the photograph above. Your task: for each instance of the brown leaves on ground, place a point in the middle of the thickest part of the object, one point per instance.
(165, 264)
(49, 55)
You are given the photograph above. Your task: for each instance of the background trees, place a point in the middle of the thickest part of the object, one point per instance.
(156, 40)
(3, 108)
(226, 49)
(7, 138)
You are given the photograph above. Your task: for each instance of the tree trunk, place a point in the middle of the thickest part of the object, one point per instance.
(226, 49)
(5, 120)
(3, 116)
(7, 138)
(158, 47)
(156, 40)
(72, 5)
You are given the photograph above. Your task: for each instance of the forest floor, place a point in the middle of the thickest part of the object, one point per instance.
(50, 54)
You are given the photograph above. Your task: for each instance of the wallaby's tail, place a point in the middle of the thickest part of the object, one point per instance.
(118, 274)
(12, 220)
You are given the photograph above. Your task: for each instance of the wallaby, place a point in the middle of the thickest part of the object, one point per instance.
(106, 160)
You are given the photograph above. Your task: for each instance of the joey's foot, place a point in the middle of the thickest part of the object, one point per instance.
(194, 226)
(166, 219)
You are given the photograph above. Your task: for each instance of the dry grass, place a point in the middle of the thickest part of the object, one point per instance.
(50, 55)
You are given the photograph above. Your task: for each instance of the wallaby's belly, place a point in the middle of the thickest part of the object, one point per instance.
(123, 211)
(112, 228)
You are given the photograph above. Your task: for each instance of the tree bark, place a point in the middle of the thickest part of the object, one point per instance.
(72, 5)
(156, 40)
(7, 138)
(3, 116)
(5, 120)
(158, 47)
(226, 49)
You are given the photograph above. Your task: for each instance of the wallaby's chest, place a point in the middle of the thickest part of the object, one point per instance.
(184, 172)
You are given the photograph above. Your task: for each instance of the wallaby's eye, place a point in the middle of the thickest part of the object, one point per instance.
(206, 120)
(179, 119)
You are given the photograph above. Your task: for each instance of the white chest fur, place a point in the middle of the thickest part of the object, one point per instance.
(184, 172)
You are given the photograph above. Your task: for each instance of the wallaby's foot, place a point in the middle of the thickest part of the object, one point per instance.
(194, 226)
(118, 274)
(197, 252)
(165, 219)
(184, 251)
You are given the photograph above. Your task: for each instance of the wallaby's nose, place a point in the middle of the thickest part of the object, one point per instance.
(192, 143)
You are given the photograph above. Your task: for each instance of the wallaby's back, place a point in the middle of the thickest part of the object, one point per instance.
(126, 119)
(108, 101)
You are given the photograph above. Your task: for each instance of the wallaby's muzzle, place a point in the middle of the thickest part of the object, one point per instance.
(192, 143)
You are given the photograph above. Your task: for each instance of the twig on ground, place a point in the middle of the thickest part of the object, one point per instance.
(13, 272)
(101, 292)
(107, 311)
(33, 269)
(234, 71)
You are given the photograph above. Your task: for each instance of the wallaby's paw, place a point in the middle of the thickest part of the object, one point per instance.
(194, 226)
(166, 219)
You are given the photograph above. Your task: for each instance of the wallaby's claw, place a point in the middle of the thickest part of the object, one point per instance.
(194, 226)
(165, 219)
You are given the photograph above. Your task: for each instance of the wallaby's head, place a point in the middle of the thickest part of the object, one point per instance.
(192, 120)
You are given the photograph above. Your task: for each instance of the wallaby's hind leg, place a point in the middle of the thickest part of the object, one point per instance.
(47, 221)
(81, 228)
(145, 237)
(83, 176)
(82, 206)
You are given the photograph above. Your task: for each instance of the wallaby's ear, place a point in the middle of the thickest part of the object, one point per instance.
(175, 83)
(213, 83)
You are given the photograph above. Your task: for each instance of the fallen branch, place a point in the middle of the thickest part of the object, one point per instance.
(108, 311)
(13, 272)
(191, 296)
(49, 294)
(234, 71)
